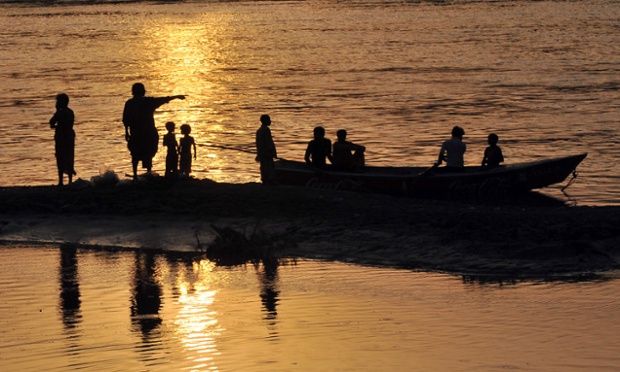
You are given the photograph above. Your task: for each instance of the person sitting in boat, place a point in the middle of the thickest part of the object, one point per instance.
(453, 151)
(347, 155)
(319, 149)
(492, 154)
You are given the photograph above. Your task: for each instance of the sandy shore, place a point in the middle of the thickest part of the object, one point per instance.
(532, 237)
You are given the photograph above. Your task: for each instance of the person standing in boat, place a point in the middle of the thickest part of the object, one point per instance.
(492, 154)
(64, 138)
(140, 131)
(453, 151)
(347, 155)
(266, 151)
(319, 149)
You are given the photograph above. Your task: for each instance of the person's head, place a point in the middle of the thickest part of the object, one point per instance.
(265, 119)
(458, 132)
(62, 100)
(319, 132)
(186, 129)
(493, 138)
(341, 134)
(170, 126)
(138, 90)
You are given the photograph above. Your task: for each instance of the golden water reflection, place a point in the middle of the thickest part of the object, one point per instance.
(311, 316)
(190, 58)
(196, 323)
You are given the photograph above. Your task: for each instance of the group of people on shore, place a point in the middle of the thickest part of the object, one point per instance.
(140, 133)
(143, 138)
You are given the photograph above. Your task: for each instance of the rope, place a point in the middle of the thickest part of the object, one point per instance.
(570, 182)
(227, 147)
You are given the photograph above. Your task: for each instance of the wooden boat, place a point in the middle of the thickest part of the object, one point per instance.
(420, 181)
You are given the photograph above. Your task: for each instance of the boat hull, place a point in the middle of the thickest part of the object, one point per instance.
(420, 181)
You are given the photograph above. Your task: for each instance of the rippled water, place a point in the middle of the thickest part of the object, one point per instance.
(65, 309)
(397, 75)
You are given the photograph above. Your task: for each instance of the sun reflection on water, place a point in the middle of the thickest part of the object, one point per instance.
(196, 324)
(191, 58)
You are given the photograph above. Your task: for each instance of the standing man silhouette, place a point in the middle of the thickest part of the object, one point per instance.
(266, 151)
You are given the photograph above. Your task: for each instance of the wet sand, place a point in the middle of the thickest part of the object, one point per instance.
(532, 237)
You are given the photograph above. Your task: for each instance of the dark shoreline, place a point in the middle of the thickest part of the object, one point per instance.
(534, 236)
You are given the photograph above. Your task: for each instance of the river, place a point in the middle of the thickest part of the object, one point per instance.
(65, 308)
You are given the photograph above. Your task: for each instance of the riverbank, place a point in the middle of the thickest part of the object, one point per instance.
(533, 237)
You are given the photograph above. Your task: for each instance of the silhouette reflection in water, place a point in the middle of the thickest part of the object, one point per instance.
(232, 248)
(269, 287)
(146, 301)
(514, 279)
(69, 287)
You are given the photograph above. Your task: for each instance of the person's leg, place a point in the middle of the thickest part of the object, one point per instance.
(134, 165)
(59, 167)
(148, 164)
(268, 172)
(263, 172)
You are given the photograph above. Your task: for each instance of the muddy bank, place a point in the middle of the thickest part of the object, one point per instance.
(533, 236)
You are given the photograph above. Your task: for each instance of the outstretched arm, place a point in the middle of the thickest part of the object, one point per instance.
(163, 100)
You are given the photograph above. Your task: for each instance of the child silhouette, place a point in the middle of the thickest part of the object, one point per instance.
(185, 149)
(172, 156)
(492, 154)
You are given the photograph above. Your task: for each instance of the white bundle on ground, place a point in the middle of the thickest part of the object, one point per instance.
(106, 177)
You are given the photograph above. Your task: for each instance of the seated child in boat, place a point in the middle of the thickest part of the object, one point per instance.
(347, 155)
(492, 154)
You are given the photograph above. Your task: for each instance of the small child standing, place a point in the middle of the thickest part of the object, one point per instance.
(492, 154)
(185, 149)
(172, 156)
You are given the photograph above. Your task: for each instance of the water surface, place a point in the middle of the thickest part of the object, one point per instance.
(64, 309)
